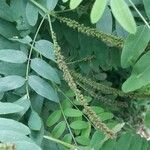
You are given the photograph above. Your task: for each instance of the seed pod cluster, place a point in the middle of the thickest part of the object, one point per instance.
(7, 146)
(103, 99)
(106, 38)
(69, 79)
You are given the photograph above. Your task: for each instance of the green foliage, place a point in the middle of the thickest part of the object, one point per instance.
(45, 48)
(102, 24)
(59, 129)
(131, 50)
(11, 82)
(123, 15)
(45, 70)
(74, 3)
(146, 119)
(12, 56)
(9, 124)
(97, 10)
(42, 88)
(50, 5)
(146, 5)
(69, 112)
(45, 103)
(34, 121)
(9, 108)
(53, 118)
(78, 125)
(139, 76)
(126, 141)
(31, 9)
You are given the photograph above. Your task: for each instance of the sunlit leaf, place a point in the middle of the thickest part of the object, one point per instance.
(64, 1)
(123, 15)
(74, 3)
(97, 10)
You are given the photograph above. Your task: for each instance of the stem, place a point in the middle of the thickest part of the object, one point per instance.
(75, 106)
(50, 25)
(30, 53)
(39, 6)
(139, 14)
(67, 124)
(60, 142)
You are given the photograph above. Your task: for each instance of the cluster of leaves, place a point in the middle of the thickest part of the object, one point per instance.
(81, 128)
(38, 110)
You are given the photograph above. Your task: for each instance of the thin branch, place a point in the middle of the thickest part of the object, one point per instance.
(30, 53)
(139, 14)
(75, 106)
(68, 124)
(61, 142)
